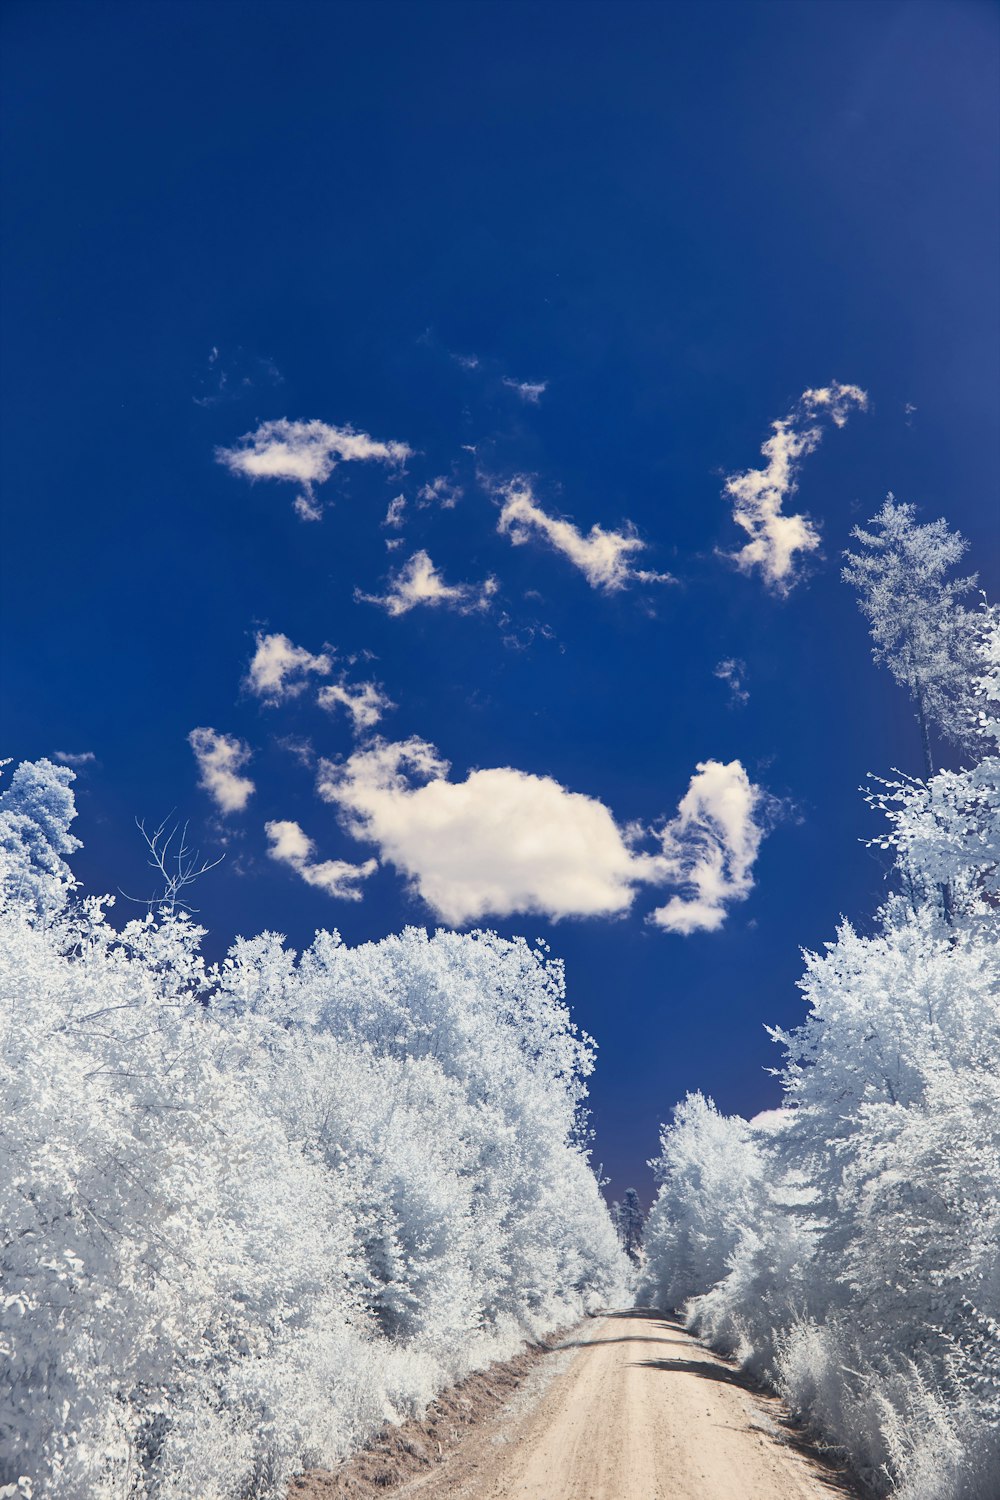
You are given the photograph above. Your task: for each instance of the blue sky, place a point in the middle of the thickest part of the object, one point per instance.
(574, 258)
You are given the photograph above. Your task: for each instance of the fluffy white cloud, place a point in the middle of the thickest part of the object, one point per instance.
(776, 539)
(364, 701)
(501, 841)
(505, 841)
(306, 454)
(220, 759)
(279, 669)
(338, 877)
(528, 390)
(710, 847)
(419, 582)
(733, 671)
(603, 557)
(75, 758)
(440, 491)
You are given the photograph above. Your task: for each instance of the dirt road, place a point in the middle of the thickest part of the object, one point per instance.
(631, 1408)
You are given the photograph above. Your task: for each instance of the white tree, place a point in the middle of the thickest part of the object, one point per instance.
(36, 811)
(855, 1262)
(248, 1214)
(921, 629)
(710, 1172)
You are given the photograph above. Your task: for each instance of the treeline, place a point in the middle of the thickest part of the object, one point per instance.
(847, 1246)
(248, 1213)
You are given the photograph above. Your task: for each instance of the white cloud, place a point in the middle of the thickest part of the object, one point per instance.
(776, 539)
(733, 671)
(305, 453)
(528, 390)
(394, 515)
(231, 376)
(603, 557)
(709, 848)
(505, 841)
(364, 701)
(279, 669)
(291, 846)
(220, 758)
(300, 748)
(440, 491)
(419, 582)
(502, 841)
(835, 400)
(71, 758)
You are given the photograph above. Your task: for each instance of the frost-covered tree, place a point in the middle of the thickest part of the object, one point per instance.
(921, 628)
(250, 1213)
(36, 811)
(709, 1173)
(629, 1221)
(856, 1261)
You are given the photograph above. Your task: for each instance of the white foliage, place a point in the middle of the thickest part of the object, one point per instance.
(921, 630)
(35, 813)
(848, 1248)
(852, 1256)
(248, 1214)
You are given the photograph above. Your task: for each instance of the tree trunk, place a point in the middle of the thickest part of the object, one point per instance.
(947, 904)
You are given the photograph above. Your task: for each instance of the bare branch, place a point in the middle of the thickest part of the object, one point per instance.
(176, 862)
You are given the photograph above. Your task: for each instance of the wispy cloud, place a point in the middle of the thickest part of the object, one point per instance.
(441, 491)
(306, 454)
(733, 672)
(364, 701)
(835, 400)
(531, 391)
(279, 669)
(220, 759)
(710, 847)
(778, 540)
(75, 758)
(505, 841)
(231, 375)
(603, 557)
(394, 514)
(337, 877)
(419, 582)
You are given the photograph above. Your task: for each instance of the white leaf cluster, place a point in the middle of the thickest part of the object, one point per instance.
(249, 1213)
(847, 1246)
(920, 628)
(847, 1249)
